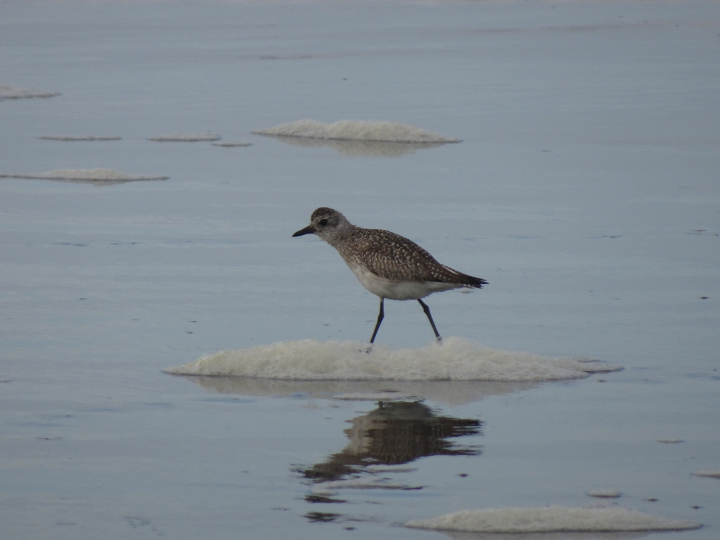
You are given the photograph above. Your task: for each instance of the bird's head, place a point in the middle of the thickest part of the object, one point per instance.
(325, 222)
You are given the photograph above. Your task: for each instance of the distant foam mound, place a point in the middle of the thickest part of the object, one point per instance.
(552, 519)
(356, 130)
(8, 92)
(185, 137)
(232, 144)
(454, 359)
(107, 176)
(73, 138)
(605, 494)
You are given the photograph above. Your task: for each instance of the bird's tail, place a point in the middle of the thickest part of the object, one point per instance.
(474, 282)
(466, 280)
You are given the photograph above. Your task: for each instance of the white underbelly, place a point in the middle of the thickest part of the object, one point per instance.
(399, 290)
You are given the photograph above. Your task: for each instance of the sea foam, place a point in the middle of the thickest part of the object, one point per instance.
(232, 144)
(185, 137)
(356, 130)
(552, 519)
(107, 176)
(8, 92)
(605, 493)
(74, 138)
(453, 359)
(708, 473)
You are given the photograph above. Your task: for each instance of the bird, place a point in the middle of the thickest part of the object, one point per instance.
(387, 264)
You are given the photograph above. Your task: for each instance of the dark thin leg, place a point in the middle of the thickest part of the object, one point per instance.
(426, 309)
(381, 316)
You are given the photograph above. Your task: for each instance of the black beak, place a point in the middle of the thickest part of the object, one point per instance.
(307, 230)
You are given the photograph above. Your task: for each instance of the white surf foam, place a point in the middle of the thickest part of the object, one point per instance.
(85, 175)
(454, 359)
(552, 519)
(184, 137)
(356, 130)
(708, 473)
(8, 92)
(70, 138)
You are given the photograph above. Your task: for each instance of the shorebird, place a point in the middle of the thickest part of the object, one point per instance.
(387, 264)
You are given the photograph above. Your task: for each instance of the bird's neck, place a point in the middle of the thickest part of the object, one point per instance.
(339, 236)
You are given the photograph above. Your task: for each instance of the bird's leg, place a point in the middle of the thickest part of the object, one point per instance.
(426, 309)
(381, 316)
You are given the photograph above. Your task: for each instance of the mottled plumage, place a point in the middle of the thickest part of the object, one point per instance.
(387, 264)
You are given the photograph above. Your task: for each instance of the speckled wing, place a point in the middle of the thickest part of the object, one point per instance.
(396, 258)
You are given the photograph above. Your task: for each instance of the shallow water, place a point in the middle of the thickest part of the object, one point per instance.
(585, 191)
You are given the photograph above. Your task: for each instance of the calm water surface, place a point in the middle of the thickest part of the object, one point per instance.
(585, 191)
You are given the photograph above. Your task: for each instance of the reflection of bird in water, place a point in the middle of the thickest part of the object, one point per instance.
(395, 433)
(387, 264)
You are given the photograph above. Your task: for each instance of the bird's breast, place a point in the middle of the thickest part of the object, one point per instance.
(398, 290)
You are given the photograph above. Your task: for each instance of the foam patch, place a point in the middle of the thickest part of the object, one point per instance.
(356, 130)
(8, 92)
(72, 138)
(86, 175)
(454, 359)
(232, 144)
(605, 494)
(184, 137)
(552, 519)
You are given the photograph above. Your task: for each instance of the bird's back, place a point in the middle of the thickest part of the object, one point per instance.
(396, 258)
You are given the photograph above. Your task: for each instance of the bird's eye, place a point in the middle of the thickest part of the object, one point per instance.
(323, 222)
